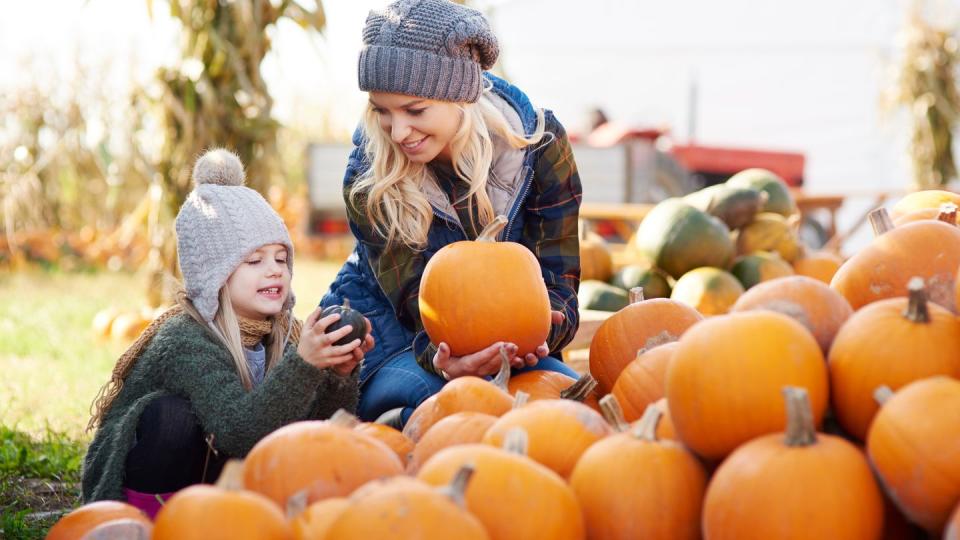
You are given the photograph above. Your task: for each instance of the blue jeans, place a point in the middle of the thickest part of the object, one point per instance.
(401, 382)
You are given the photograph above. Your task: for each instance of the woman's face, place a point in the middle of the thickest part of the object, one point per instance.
(259, 287)
(422, 128)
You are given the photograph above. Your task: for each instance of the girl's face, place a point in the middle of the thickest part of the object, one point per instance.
(422, 128)
(259, 287)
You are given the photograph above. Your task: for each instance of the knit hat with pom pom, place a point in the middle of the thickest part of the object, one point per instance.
(219, 225)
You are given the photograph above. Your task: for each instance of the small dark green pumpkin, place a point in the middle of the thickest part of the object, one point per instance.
(600, 296)
(655, 284)
(347, 316)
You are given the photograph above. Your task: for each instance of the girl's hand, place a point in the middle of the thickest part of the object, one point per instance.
(317, 347)
(478, 364)
(531, 359)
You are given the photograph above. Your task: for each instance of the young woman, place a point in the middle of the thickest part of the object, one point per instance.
(230, 364)
(442, 149)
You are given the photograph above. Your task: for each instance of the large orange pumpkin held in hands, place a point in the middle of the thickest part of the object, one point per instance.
(476, 293)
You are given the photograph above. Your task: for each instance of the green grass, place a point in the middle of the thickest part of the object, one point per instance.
(53, 364)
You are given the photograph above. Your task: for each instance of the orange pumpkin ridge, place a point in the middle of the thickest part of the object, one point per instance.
(643, 381)
(468, 318)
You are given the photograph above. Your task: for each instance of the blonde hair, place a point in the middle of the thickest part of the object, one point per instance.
(391, 188)
(227, 326)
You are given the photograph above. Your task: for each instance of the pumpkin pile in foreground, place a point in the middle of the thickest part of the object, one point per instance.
(806, 410)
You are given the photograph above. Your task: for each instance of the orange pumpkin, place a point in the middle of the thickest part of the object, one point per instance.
(86, 518)
(514, 497)
(596, 259)
(891, 342)
(794, 485)
(925, 199)
(462, 394)
(321, 458)
(642, 381)
(544, 384)
(393, 438)
(458, 310)
(820, 265)
(458, 428)
(914, 448)
(559, 431)
(406, 508)
(633, 485)
(223, 511)
(724, 381)
(810, 302)
(640, 325)
(314, 522)
(928, 249)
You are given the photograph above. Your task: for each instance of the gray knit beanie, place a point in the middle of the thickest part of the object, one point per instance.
(219, 225)
(428, 48)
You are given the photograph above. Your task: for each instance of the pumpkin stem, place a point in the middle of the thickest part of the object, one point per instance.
(800, 428)
(503, 376)
(490, 232)
(126, 528)
(613, 413)
(344, 419)
(917, 310)
(231, 477)
(516, 441)
(346, 303)
(646, 428)
(636, 295)
(948, 213)
(520, 399)
(880, 221)
(457, 489)
(882, 394)
(581, 389)
(297, 503)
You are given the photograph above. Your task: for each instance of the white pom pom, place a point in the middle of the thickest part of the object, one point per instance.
(219, 166)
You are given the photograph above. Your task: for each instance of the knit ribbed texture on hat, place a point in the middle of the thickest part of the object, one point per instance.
(219, 225)
(428, 48)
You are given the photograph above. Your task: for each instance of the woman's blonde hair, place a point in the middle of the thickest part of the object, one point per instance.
(227, 325)
(394, 201)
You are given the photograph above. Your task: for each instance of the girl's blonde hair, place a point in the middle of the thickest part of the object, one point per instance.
(394, 200)
(227, 325)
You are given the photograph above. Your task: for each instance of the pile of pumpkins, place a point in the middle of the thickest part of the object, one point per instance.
(706, 249)
(807, 411)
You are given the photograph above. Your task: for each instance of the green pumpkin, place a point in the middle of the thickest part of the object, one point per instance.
(735, 206)
(759, 267)
(347, 316)
(677, 238)
(653, 282)
(779, 199)
(600, 296)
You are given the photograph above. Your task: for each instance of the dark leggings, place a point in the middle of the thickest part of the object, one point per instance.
(171, 451)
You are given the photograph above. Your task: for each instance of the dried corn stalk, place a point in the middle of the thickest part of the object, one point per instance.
(927, 86)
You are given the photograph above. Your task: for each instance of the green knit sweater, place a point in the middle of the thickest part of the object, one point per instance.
(185, 359)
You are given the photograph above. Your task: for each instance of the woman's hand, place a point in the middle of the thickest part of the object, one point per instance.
(479, 364)
(317, 347)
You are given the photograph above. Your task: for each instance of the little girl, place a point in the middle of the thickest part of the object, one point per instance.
(225, 367)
